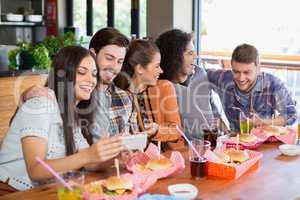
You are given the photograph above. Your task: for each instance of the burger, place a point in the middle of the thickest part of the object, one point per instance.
(155, 164)
(232, 156)
(223, 157)
(275, 130)
(159, 164)
(94, 187)
(237, 156)
(117, 185)
(247, 138)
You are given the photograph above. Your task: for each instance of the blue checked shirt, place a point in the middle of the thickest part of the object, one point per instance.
(268, 95)
(114, 113)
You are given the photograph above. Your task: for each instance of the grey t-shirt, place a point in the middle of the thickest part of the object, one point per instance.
(195, 103)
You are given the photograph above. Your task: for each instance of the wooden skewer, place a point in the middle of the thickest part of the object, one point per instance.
(159, 149)
(117, 166)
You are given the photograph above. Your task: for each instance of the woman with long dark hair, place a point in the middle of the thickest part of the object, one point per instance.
(50, 127)
(154, 100)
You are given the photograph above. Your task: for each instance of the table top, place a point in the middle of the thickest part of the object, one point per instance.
(278, 177)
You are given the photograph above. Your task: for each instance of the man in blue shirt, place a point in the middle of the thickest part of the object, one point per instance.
(259, 95)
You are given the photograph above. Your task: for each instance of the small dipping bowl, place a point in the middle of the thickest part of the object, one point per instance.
(183, 191)
(289, 149)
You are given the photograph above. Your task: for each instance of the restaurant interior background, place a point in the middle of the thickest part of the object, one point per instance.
(218, 25)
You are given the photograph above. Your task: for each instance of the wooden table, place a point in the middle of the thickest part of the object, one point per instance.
(278, 177)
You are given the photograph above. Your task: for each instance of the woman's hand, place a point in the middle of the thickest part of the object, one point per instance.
(151, 129)
(105, 149)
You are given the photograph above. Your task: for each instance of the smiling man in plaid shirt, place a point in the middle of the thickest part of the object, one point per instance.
(114, 112)
(259, 95)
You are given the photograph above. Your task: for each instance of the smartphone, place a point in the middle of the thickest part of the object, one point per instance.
(135, 142)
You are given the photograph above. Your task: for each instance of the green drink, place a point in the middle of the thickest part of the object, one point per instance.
(65, 194)
(246, 127)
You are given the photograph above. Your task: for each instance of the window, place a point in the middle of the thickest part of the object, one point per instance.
(271, 26)
(79, 13)
(99, 14)
(123, 16)
(143, 10)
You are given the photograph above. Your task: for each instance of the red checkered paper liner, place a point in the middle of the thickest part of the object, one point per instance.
(220, 169)
(141, 182)
(290, 138)
(231, 143)
(151, 153)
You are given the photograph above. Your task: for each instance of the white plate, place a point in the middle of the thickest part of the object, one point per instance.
(290, 149)
(183, 191)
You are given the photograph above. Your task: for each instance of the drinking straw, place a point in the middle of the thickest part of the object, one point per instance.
(54, 173)
(117, 167)
(248, 126)
(237, 141)
(188, 141)
(205, 120)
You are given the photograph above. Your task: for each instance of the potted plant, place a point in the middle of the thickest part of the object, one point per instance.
(40, 55)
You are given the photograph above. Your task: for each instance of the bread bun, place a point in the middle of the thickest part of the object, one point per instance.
(247, 138)
(94, 187)
(142, 168)
(275, 130)
(120, 185)
(223, 157)
(237, 155)
(159, 164)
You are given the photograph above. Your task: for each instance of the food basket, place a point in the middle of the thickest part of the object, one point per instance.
(233, 171)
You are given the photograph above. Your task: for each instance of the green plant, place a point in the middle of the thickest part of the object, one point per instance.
(12, 58)
(54, 44)
(41, 57)
(43, 52)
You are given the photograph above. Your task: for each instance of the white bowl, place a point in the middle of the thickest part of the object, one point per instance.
(14, 17)
(34, 18)
(289, 149)
(183, 191)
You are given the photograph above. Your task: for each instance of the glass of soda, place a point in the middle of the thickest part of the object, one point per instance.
(211, 132)
(198, 162)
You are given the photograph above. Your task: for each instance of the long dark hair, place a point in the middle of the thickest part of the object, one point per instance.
(139, 52)
(172, 45)
(62, 80)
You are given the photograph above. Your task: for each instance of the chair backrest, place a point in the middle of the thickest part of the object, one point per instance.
(10, 90)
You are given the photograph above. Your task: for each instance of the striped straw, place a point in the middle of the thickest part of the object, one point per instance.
(54, 173)
(188, 141)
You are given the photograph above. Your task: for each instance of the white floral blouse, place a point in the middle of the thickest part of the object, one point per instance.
(37, 117)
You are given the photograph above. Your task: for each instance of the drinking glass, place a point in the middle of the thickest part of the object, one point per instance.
(212, 131)
(197, 160)
(246, 124)
(76, 180)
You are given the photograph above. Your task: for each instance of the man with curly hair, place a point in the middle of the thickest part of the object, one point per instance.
(177, 62)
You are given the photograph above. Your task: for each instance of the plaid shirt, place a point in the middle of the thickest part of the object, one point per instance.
(268, 95)
(114, 113)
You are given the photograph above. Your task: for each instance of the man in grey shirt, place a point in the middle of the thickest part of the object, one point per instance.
(177, 61)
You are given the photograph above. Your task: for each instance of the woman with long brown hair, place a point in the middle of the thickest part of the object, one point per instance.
(154, 100)
(50, 128)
